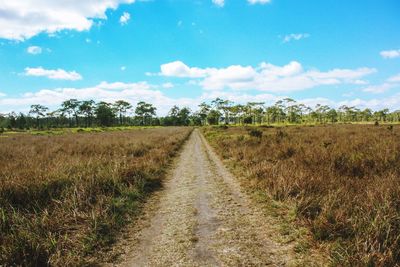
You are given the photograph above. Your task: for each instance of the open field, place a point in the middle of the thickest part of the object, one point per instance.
(342, 183)
(64, 197)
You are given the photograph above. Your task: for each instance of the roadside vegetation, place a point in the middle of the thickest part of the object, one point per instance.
(65, 197)
(342, 183)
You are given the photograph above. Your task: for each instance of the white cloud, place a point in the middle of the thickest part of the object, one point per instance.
(378, 89)
(88, 40)
(58, 74)
(295, 37)
(394, 79)
(2, 94)
(109, 92)
(142, 91)
(34, 50)
(180, 69)
(123, 68)
(253, 2)
(23, 19)
(167, 85)
(390, 83)
(265, 77)
(390, 53)
(123, 20)
(219, 3)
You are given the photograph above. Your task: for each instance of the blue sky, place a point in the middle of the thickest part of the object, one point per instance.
(184, 52)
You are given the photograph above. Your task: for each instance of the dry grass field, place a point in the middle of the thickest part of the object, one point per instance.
(64, 197)
(343, 182)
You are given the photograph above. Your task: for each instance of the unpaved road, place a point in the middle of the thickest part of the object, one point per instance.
(202, 218)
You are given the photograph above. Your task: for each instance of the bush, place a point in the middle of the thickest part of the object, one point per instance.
(255, 133)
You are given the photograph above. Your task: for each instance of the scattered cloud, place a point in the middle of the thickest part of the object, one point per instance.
(123, 68)
(58, 74)
(265, 77)
(378, 89)
(390, 53)
(295, 37)
(23, 19)
(2, 94)
(167, 85)
(123, 20)
(394, 79)
(219, 3)
(142, 91)
(105, 91)
(34, 50)
(253, 2)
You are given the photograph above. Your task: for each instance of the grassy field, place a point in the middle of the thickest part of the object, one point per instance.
(63, 197)
(342, 181)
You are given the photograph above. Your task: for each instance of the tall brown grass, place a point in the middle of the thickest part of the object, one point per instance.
(64, 197)
(344, 181)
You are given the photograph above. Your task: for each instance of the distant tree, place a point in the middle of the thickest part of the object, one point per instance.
(145, 111)
(105, 114)
(203, 112)
(38, 111)
(213, 117)
(71, 108)
(87, 108)
(184, 116)
(122, 107)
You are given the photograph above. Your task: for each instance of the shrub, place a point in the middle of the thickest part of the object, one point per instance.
(255, 133)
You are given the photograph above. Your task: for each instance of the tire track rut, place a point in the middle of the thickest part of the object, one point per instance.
(203, 218)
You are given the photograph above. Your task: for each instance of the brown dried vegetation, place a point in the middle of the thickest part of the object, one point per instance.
(343, 180)
(64, 197)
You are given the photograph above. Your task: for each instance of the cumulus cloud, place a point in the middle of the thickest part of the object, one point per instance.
(295, 37)
(391, 82)
(265, 77)
(390, 53)
(123, 20)
(23, 19)
(219, 3)
(58, 74)
(142, 91)
(105, 91)
(34, 50)
(253, 2)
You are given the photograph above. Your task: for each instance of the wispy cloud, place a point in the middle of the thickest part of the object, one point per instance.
(219, 3)
(58, 74)
(253, 2)
(295, 37)
(123, 20)
(34, 50)
(390, 53)
(391, 82)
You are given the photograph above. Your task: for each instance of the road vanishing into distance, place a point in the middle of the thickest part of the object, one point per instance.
(202, 218)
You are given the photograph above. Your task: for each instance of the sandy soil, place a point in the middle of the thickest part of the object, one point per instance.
(202, 218)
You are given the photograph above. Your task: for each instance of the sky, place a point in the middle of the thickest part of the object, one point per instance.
(182, 52)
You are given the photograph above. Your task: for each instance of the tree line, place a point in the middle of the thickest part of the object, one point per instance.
(88, 113)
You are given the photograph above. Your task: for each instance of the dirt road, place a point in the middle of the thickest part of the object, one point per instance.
(202, 218)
